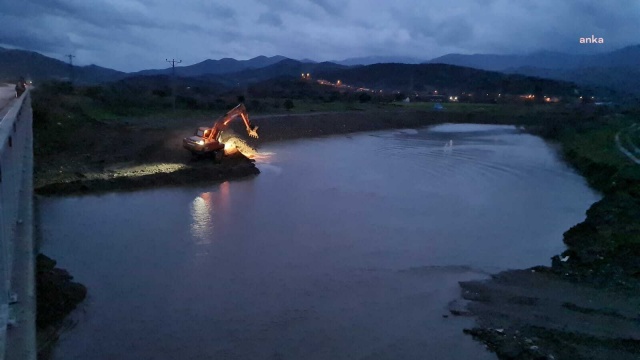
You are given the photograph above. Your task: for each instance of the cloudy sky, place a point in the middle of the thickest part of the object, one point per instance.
(132, 35)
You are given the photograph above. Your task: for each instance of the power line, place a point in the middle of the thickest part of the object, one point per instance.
(173, 65)
(173, 79)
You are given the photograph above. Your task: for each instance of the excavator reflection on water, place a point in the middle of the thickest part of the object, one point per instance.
(207, 141)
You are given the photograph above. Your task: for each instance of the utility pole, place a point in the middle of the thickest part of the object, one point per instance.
(70, 67)
(173, 79)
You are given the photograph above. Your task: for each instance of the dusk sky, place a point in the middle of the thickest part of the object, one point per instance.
(131, 35)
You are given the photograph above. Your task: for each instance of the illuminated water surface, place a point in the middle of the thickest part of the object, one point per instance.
(343, 247)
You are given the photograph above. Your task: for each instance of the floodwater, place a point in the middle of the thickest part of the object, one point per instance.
(344, 247)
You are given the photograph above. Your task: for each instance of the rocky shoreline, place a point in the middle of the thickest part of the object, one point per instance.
(57, 295)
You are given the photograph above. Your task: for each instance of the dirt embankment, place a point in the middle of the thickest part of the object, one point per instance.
(142, 176)
(539, 314)
(285, 127)
(87, 156)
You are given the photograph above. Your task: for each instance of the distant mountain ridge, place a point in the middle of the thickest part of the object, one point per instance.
(370, 60)
(284, 68)
(628, 56)
(222, 66)
(444, 77)
(618, 69)
(34, 66)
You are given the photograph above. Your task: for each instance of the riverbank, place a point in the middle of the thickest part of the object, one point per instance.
(521, 314)
(77, 153)
(585, 304)
(57, 295)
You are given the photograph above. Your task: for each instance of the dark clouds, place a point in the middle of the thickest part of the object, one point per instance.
(136, 34)
(270, 19)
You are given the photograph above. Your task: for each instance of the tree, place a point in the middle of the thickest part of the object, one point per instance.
(288, 104)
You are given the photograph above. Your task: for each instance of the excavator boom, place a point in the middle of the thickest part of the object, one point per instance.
(207, 140)
(222, 123)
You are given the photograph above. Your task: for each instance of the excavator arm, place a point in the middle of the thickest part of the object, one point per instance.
(223, 122)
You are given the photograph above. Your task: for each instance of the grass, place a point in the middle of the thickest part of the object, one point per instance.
(491, 109)
(597, 145)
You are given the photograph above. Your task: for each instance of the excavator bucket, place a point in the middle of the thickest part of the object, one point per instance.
(253, 132)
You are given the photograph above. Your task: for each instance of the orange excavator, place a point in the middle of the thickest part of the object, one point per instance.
(206, 141)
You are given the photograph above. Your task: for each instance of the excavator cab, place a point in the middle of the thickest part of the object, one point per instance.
(203, 132)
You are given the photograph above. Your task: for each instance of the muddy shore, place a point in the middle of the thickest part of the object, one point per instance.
(149, 176)
(101, 157)
(586, 304)
(583, 306)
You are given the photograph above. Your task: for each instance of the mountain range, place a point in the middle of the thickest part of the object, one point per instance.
(628, 56)
(222, 66)
(617, 70)
(32, 65)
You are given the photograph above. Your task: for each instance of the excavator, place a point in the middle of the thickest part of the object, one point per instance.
(206, 141)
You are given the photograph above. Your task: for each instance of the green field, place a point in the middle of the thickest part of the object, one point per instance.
(598, 143)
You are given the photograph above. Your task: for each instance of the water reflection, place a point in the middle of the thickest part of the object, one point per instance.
(203, 208)
(201, 213)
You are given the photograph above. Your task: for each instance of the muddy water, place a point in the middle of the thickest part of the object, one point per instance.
(347, 247)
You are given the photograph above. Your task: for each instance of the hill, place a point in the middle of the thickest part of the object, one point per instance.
(285, 68)
(37, 67)
(428, 77)
(389, 77)
(222, 66)
(621, 79)
(625, 57)
(616, 69)
(369, 60)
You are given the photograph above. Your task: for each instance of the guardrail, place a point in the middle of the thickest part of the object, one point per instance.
(17, 269)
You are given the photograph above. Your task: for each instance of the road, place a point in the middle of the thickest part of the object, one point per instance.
(624, 150)
(7, 95)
